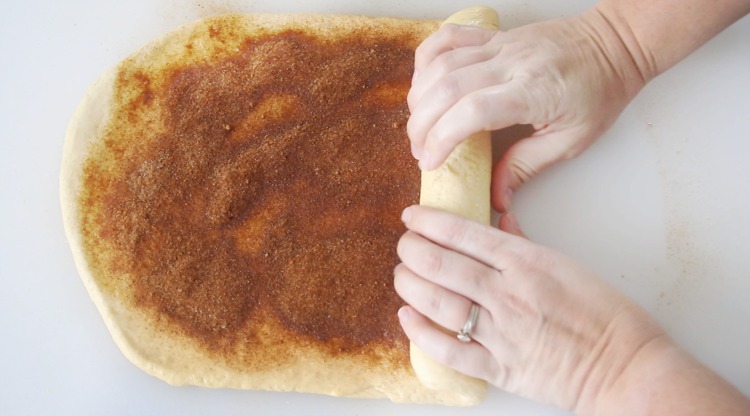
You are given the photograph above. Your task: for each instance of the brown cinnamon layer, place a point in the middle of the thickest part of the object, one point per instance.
(262, 182)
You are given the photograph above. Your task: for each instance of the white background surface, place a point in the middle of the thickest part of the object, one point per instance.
(660, 206)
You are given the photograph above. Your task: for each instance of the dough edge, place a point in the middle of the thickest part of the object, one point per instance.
(176, 359)
(461, 185)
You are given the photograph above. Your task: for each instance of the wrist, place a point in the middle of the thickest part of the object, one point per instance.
(658, 378)
(631, 391)
(657, 34)
(628, 347)
(620, 51)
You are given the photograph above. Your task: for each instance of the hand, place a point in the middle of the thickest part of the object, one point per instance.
(548, 329)
(569, 79)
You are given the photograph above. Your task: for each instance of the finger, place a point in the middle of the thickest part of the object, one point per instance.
(442, 306)
(447, 38)
(447, 268)
(509, 224)
(491, 108)
(526, 159)
(445, 64)
(447, 92)
(469, 358)
(480, 242)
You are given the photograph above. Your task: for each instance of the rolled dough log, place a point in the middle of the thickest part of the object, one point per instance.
(460, 185)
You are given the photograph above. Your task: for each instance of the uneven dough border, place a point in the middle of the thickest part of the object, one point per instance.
(176, 359)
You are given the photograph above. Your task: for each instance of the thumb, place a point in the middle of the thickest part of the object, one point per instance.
(524, 160)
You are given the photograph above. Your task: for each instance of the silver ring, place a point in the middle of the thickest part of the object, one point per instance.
(464, 335)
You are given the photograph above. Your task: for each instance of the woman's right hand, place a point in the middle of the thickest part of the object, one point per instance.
(568, 78)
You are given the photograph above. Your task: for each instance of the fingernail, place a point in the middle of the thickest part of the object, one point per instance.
(403, 314)
(425, 160)
(406, 215)
(508, 196)
(415, 151)
(512, 221)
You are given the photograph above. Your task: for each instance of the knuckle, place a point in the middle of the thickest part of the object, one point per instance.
(449, 31)
(492, 70)
(499, 374)
(444, 63)
(487, 280)
(528, 261)
(500, 60)
(403, 243)
(438, 138)
(448, 89)
(411, 99)
(529, 98)
(476, 104)
(497, 248)
(514, 256)
(433, 262)
(435, 303)
(451, 357)
(399, 275)
(542, 95)
(423, 50)
(511, 48)
(456, 230)
(496, 47)
(412, 128)
(477, 108)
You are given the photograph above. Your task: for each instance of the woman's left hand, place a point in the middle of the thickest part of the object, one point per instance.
(548, 329)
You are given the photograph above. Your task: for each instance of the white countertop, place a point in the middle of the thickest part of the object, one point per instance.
(660, 206)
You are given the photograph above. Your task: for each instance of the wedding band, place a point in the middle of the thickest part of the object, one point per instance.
(464, 335)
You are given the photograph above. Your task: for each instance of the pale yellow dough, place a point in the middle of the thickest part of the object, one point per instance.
(174, 357)
(461, 185)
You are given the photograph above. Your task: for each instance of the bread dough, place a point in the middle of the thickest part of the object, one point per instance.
(148, 339)
(461, 185)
